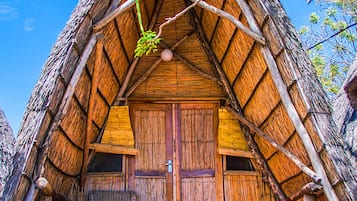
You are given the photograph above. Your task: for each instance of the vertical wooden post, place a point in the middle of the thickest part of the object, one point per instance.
(289, 106)
(95, 75)
(218, 158)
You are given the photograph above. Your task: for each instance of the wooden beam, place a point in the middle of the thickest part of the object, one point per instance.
(289, 106)
(308, 189)
(104, 21)
(148, 72)
(127, 79)
(64, 104)
(113, 149)
(281, 148)
(112, 7)
(255, 35)
(235, 152)
(275, 186)
(44, 186)
(213, 59)
(91, 105)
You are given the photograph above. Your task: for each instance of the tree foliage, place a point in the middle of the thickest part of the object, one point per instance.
(331, 40)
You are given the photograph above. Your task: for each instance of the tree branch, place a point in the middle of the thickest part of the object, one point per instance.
(170, 19)
(333, 35)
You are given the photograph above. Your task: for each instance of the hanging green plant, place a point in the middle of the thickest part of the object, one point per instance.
(148, 41)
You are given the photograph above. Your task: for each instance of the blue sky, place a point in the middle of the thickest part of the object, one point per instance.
(29, 29)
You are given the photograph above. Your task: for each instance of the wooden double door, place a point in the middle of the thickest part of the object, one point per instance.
(177, 157)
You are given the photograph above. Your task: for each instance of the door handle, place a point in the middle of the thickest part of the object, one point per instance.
(169, 165)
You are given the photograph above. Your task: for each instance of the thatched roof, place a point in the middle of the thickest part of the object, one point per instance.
(345, 115)
(270, 84)
(6, 150)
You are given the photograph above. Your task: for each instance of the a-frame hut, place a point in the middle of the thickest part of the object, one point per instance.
(236, 114)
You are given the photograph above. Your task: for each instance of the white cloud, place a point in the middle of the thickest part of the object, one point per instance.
(7, 12)
(29, 25)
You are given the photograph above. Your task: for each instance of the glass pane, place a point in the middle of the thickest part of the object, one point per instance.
(238, 163)
(103, 162)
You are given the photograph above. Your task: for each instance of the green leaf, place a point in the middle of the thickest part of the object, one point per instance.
(314, 18)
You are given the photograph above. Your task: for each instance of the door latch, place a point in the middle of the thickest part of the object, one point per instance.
(169, 165)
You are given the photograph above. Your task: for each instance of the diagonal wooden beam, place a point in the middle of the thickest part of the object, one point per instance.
(281, 148)
(192, 66)
(213, 59)
(156, 63)
(104, 21)
(91, 105)
(255, 35)
(289, 106)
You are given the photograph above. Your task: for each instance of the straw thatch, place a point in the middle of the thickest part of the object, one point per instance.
(260, 74)
(345, 115)
(6, 150)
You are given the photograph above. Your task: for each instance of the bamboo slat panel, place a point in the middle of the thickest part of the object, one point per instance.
(83, 89)
(328, 165)
(83, 32)
(74, 123)
(174, 79)
(151, 189)
(282, 167)
(198, 189)
(192, 50)
(258, 11)
(118, 129)
(101, 110)
(65, 155)
(56, 98)
(150, 5)
(278, 130)
(72, 61)
(64, 185)
(242, 187)
(107, 82)
(115, 51)
(298, 102)
(296, 147)
(314, 137)
(237, 54)
(177, 28)
(278, 126)
(294, 184)
(230, 134)
(108, 182)
(285, 71)
(150, 132)
(250, 76)
(128, 31)
(263, 101)
(190, 82)
(209, 19)
(197, 139)
(224, 32)
(98, 9)
(273, 38)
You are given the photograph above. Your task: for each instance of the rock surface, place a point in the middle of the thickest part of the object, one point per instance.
(6, 150)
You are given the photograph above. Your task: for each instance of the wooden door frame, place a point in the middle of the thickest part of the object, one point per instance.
(173, 181)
